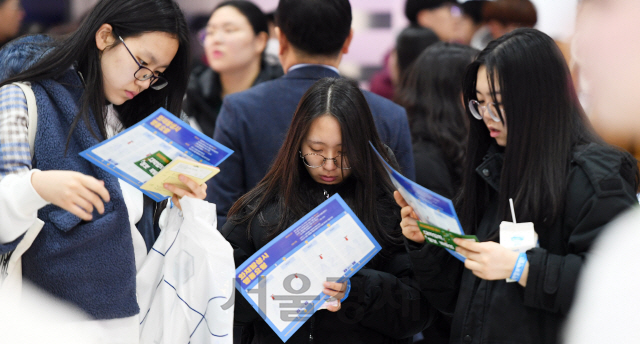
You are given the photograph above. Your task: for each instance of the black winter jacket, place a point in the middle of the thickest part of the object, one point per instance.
(601, 184)
(383, 306)
(432, 170)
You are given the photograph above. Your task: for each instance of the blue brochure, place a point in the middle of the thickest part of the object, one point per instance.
(283, 280)
(138, 154)
(430, 207)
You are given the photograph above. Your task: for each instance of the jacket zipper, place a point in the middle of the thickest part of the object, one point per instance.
(311, 321)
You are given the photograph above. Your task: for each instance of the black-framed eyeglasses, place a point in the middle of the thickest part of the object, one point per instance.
(143, 73)
(315, 160)
(477, 110)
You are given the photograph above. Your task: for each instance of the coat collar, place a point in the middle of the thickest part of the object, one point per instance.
(314, 72)
(491, 167)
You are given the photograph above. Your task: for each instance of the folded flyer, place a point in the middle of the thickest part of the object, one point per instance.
(283, 280)
(431, 208)
(155, 151)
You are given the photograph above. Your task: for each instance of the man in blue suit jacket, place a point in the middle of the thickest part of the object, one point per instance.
(313, 36)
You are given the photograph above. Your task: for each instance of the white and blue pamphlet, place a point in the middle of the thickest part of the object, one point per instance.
(430, 207)
(283, 280)
(139, 153)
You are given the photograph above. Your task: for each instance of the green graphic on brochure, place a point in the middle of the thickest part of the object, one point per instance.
(442, 237)
(153, 163)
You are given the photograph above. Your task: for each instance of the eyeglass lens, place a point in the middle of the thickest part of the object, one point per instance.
(477, 110)
(143, 73)
(314, 160)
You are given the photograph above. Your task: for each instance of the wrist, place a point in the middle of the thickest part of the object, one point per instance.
(518, 267)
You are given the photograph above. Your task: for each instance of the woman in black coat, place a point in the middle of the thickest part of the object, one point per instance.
(431, 93)
(529, 140)
(327, 151)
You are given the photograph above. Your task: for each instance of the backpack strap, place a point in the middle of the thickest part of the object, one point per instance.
(32, 109)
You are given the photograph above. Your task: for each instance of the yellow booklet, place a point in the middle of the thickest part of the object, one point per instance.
(197, 171)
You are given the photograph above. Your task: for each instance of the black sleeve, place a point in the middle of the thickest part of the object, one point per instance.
(389, 301)
(243, 248)
(551, 283)
(438, 275)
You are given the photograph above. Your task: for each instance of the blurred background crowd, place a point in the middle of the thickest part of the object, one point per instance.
(387, 37)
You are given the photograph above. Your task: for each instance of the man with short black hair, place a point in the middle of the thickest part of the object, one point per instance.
(313, 36)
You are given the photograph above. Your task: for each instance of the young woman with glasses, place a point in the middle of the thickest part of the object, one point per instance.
(530, 141)
(326, 151)
(127, 59)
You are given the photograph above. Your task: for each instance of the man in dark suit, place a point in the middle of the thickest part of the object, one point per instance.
(313, 36)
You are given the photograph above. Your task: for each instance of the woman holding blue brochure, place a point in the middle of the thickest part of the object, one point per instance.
(127, 59)
(326, 151)
(530, 141)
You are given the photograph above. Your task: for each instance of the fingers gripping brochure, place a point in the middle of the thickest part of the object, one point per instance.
(155, 151)
(431, 208)
(283, 280)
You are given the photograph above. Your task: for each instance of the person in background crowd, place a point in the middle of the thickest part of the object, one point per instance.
(273, 47)
(409, 44)
(528, 140)
(11, 16)
(234, 41)
(431, 93)
(327, 151)
(607, 297)
(470, 23)
(127, 59)
(313, 35)
(441, 16)
(503, 16)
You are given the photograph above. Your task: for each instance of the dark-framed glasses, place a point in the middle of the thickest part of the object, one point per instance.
(315, 160)
(477, 110)
(143, 73)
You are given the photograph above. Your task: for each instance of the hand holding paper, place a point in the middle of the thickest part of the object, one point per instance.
(337, 291)
(422, 204)
(487, 260)
(409, 223)
(196, 171)
(155, 151)
(195, 191)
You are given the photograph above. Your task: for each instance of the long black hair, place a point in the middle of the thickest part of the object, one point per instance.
(410, 43)
(544, 123)
(287, 184)
(431, 93)
(128, 18)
